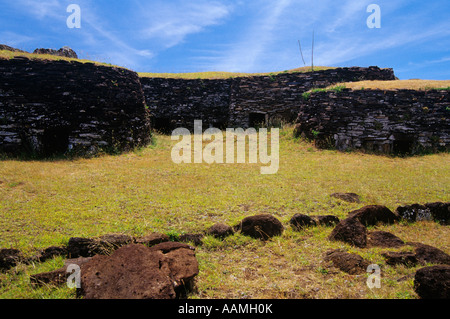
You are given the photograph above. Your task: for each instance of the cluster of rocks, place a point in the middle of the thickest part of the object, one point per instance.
(429, 282)
(152, 266)
(118, 266)
(63, 52)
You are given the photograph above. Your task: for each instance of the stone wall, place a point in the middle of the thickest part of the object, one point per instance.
(54, 107)
(397, 121)
(177, 102)
(278, 98)
(242, 102)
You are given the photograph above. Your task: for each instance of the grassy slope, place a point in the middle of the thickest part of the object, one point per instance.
(5, 54)
(396, 85)
(44, 203)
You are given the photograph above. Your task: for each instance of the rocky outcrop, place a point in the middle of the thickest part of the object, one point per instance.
(8, 48)
(63, 52)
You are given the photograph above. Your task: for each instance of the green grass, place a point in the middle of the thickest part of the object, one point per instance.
(44, 203)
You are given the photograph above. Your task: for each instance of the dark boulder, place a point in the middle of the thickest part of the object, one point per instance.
(371, 215)
(350, 231)
(299, 221)
(80, 247)
(63, 52)
(383, 239)
(9, 258)
(414, 212)
(440, 212)
(405, 258)
(196, 239)
(220, 230)
(352, 264)
(326, 220)
(263, 226)
(429, 254)
(433, 282)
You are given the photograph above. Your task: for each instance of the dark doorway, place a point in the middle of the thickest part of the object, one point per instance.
(403, 144)
(257, 120)
(55, 141)
(162, 125)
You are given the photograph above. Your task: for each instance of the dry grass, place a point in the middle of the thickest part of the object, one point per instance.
(44, 203)
(397, 85)
(225, 75)
(7, 55)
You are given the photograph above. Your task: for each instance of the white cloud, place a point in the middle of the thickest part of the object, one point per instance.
(270, 40)
(244, 55)
(172, 22)
(14, 39)
(42, 9)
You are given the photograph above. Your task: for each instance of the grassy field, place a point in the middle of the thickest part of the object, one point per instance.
(44, 203)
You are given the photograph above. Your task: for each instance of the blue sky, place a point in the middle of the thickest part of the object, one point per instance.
(239, 36)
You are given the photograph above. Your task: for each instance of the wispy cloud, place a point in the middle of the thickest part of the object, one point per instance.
(171, 22)
(43, 9)
(270, 40)
(244, 55)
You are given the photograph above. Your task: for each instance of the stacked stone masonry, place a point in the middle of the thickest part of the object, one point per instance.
(244, 101)
(52, 107)
(393, 122)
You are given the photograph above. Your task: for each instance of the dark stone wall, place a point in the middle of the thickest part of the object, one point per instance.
(394, 122)
(278, 97)
(54, 107)
(177, 102)
(242, 102)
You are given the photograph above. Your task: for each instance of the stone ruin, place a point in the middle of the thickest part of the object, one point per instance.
(49, 108)
(62, 107)
(400, 122)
